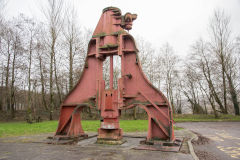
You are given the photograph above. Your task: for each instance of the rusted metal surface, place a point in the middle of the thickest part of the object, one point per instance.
(134, 89)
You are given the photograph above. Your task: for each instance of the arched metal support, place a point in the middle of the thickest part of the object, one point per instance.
(70, 121)
(111, 39)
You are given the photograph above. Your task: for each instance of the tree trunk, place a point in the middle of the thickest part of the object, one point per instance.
(233, 95)
(135, 113)
(211, 87)
(224, 85)
(51, 106)
(29, 84)
(7, 76)
(172, 104)
(42, 84)
(70, 67)
(12, 100)
(56, 80)
(211, 100)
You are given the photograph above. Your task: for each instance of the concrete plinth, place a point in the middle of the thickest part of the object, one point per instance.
(110, 141)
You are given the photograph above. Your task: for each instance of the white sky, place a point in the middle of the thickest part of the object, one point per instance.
(179, 22)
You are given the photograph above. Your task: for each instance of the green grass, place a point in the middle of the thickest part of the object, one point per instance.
(22, 128)
(205, 118)
(9, 129)
(134, 125)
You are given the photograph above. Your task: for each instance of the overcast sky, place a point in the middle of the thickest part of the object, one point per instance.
(179, 22)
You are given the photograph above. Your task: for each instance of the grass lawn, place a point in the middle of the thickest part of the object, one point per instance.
(9, 129)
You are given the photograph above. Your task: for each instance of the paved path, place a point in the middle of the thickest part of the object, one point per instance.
(224, 138)
(32, 148)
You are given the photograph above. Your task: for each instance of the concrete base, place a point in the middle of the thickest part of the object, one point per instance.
(110, 141)
(160, 145)
(59, 139)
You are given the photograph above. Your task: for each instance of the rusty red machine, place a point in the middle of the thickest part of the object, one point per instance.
(110, 38)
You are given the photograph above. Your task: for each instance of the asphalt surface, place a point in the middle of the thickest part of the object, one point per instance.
(223, 143)
(33, 148)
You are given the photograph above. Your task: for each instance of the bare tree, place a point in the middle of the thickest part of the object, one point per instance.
(222, 47)
(8, 37)
(54, 16)
(40, 49)
(168, 61)
(191, 89)
(31, 31)
(204, 64)
(73, 42)
(17, 50)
